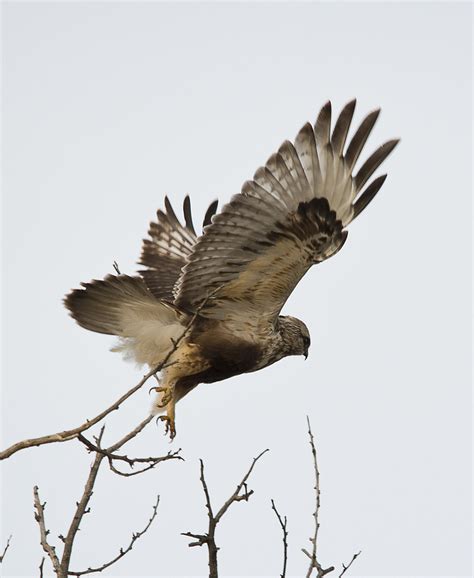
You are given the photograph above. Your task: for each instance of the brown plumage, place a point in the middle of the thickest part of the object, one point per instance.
(224, 290)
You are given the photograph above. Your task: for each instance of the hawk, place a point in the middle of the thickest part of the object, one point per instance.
(208, 307)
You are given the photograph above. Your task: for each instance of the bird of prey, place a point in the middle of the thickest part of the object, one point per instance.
(208, 307)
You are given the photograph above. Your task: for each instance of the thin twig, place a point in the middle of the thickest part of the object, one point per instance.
(206, 493)
(345, 568)
(5, 549)
(285, 537)
(209, 537)
(41, 567)
(314, 563)
(123, 551)
(39, 517)
(116, 268)
(150, 466)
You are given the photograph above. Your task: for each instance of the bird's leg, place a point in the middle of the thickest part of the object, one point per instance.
(167, 392)
(166, 399)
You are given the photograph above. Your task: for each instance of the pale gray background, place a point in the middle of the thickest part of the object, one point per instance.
(107, 107)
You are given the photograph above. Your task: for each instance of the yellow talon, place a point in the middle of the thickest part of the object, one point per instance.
(167, 395)
(170, 427)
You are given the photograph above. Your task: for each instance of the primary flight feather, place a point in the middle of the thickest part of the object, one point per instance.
(214, 301)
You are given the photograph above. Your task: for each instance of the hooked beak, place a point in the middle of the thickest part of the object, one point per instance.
(305, 354)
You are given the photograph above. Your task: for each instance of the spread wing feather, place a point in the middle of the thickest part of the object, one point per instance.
(290, 216)
(168, 248)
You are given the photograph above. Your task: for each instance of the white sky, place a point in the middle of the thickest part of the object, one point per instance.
(107, 107)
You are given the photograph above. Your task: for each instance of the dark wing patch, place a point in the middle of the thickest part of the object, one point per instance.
(168, 249)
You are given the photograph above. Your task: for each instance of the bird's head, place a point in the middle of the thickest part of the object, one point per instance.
(295, 335)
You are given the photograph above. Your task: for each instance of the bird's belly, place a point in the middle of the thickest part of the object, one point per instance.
(220, 371)
(228, 357)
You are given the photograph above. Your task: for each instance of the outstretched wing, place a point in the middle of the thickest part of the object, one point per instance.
(290, 216)
(169, 246)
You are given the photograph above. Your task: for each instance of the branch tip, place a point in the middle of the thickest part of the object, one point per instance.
(7, 545)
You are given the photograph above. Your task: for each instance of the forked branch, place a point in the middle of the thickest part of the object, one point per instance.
(150, 462)
(345, 568)
(241, 493)
(61, 564)
(282, 523)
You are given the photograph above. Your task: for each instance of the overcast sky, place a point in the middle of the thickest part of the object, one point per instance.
(106, 108)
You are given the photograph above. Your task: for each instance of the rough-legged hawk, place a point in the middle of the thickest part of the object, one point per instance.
(224, 290)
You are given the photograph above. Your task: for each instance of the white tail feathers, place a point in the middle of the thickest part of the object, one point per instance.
(149, 341)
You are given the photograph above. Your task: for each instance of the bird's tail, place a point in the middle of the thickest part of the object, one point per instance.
(123, 306)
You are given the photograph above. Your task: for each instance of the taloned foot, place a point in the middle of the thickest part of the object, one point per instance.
(166, 397)
(170, 426)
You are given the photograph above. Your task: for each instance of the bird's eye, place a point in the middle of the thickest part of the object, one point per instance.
(306, 341)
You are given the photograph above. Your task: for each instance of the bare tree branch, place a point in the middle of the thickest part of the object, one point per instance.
(345, 568)
(314, 563)
(61, 567)
(150, 466)
(285, 536)
(78, 515)
(123, 552)
(2, 556)
(111, 457)
(71, 434)
(39, 517)
(209, 537)
(241, 492)
(237, 496)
